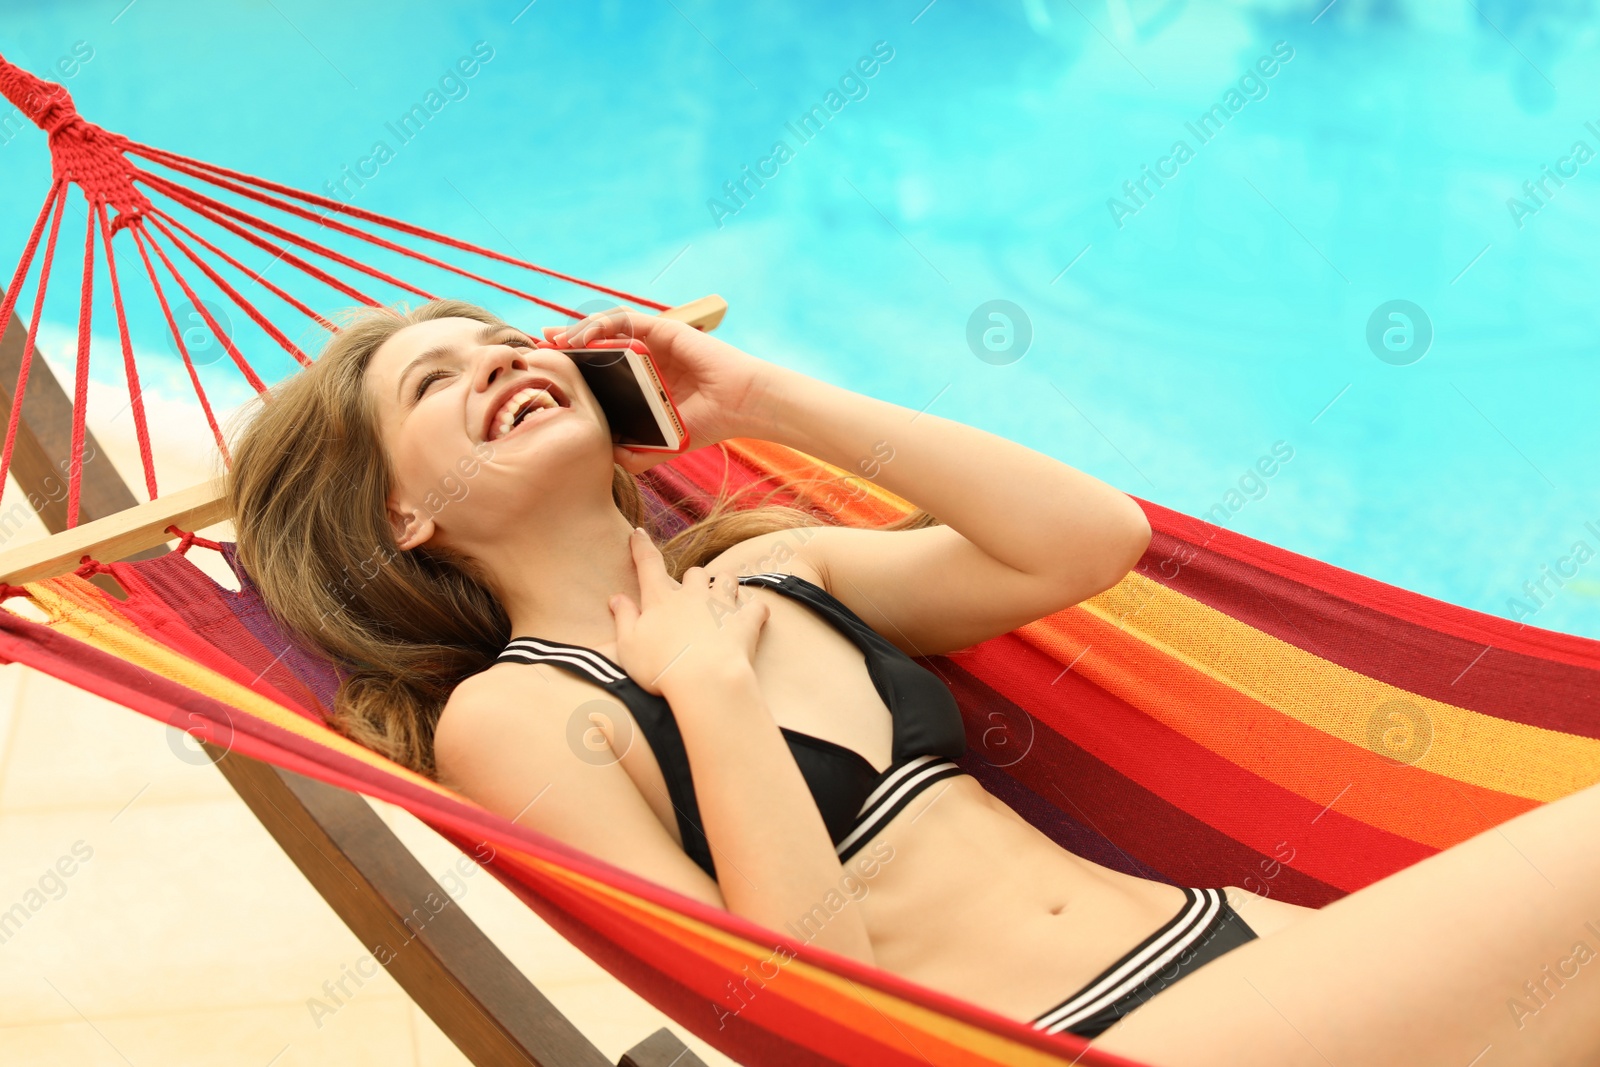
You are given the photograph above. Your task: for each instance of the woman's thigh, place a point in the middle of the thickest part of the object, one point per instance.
(1486, 954)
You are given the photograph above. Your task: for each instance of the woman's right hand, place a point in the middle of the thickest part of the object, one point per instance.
(720, 391)
(683, 631)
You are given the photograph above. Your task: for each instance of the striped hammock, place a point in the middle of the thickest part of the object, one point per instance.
(1228, 714)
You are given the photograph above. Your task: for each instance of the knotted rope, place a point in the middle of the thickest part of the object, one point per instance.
(81, 152)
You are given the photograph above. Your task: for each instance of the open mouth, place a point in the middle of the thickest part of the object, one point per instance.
(531, 401)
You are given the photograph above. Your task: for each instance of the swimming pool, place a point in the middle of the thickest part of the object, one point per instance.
(1316, 273)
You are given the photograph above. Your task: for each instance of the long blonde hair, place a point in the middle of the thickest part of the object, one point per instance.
(307, 490)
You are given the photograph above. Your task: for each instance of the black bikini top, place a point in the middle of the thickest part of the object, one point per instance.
(855, 800)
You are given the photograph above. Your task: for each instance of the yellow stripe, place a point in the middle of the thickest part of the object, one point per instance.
(1469, 746)
(70, 615)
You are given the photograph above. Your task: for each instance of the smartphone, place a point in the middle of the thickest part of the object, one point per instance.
(623, 379)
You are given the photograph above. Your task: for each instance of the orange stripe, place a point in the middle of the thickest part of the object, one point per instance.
(112, 633)
(858, 502)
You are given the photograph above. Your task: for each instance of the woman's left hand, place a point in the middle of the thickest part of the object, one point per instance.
(720, 391)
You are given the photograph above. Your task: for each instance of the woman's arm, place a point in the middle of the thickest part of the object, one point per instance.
(1025, 535)
(776, 864)
(1032, 513)
(504, 741)
(694, 645)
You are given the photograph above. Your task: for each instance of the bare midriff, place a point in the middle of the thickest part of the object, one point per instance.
(968, 898)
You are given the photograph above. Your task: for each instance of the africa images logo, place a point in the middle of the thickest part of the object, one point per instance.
(1252, 85)
(852, 86)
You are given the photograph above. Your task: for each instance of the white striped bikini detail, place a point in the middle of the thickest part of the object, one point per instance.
(1149, 960)
(536, 650)
(899, 788)
(596, 666)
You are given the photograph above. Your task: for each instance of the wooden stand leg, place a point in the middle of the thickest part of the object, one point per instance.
(412, 926)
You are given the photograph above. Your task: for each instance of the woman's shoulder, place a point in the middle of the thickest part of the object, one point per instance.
(511, 686)
(502, 697)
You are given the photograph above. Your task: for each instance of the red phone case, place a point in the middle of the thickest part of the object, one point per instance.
(638, 346)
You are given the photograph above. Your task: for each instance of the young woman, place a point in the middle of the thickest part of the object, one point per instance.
(437, 503)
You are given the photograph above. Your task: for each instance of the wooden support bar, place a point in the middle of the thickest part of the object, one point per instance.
(116, 536)
(703, 314)
(412, 926)
(660, 1049)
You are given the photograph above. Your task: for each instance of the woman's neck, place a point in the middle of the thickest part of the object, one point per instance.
(554, 583)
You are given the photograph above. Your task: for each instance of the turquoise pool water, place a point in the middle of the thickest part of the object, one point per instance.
(1201, 215)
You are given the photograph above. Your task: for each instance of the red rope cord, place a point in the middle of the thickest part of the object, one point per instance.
(351, 231)
(80, 152)
(259, 277)
(137, 229)
(177, 162)
(278, 232)
(19, 276)
(80, 390)
(99, 162)
(216, 331)
(129, 366)
(279, 252)
(244, 305)
(186, 538)
(59, 195)
(25, 261)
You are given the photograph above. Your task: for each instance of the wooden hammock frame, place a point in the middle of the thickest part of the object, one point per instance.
(449, 967)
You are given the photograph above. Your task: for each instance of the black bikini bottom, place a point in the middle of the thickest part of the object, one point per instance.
(1205, 928)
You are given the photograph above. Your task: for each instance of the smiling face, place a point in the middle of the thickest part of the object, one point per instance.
(482, 428)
